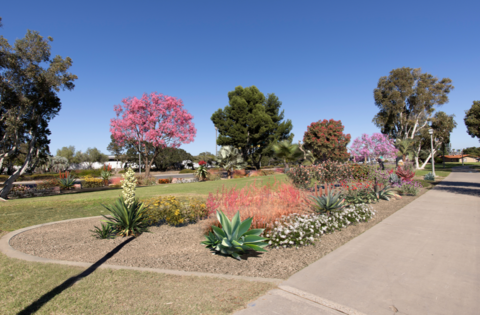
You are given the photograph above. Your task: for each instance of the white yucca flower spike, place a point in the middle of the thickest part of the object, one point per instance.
(129, 183)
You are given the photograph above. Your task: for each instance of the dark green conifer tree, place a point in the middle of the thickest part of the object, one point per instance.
(251, 123)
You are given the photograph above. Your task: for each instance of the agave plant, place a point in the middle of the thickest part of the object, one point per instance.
(429, 176)
(234, 238)
(104, 232)
(328, 203)
(66, 180)
(385, 193)
(126, 219)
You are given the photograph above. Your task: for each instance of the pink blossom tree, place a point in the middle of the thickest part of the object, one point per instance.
(373, 147)
(152, 122)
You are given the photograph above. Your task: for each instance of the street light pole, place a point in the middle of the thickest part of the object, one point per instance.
(139, 160)
(462, 157)
(430, 131)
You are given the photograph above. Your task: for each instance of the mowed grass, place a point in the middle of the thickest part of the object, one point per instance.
(27, 286)
(444, 172)
(19, 213)
(37, 287)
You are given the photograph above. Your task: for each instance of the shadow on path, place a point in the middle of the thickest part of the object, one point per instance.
(465, 188)
(44, 299)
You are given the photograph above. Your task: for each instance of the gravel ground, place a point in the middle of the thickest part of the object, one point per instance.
(179, 248)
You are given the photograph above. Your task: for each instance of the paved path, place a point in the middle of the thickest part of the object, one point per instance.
(424, 259)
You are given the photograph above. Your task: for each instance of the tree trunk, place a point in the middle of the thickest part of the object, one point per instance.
(426, 160)
(9, 183)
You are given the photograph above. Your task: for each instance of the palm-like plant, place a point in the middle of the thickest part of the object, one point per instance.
(234, 237)
(229, 158)
(126, 219)
(405, 147)
(287, 151)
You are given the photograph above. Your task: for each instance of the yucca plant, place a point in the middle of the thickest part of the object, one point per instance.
(127, 220)
(104, 232)
(234, 238)
(328, 203)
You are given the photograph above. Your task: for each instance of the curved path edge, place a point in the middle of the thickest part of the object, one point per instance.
(8, 250)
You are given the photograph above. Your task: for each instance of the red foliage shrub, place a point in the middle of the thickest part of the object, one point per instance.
(164, 181)
(405, 174)
(115, 180)
(264, 203)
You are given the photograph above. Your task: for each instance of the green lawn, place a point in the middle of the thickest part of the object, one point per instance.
(19, 213)
(444, 172)
(28, 287)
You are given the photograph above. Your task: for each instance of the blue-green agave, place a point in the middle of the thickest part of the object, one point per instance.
(328, 203)
(234, 238)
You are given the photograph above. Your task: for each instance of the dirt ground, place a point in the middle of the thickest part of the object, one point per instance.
(179, 248)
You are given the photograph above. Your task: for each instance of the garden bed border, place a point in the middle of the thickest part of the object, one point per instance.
(8, 250)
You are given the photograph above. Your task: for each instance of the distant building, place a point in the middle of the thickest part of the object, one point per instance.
(458, 158)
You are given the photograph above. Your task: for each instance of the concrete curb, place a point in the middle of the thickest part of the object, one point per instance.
(8, 250)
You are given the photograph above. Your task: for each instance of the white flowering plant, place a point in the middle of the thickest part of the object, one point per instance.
(128, 184)
(299, 230)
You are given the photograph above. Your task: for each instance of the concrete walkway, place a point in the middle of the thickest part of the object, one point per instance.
(424, 259)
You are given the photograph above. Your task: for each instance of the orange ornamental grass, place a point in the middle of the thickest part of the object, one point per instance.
(264, 204)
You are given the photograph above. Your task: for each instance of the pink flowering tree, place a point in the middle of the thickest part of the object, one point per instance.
(371, 148)
(152, 122)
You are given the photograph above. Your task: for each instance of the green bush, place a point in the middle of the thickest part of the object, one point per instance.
(187, 171)
(30, 177)
(93, 173)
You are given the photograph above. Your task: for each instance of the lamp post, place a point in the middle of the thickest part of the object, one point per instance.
(430, 131)
(462, 157)
(139, 160)
(216, 130)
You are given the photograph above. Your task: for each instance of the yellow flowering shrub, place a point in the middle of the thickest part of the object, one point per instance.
(91, 182)
(173, 211)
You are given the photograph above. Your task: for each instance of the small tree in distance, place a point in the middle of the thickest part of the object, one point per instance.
(155, 119)
(373, 147)
(326, 140)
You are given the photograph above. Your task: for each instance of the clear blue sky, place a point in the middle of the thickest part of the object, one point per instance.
(321, 58)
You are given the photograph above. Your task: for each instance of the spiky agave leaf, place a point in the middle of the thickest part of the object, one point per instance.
(234, 238)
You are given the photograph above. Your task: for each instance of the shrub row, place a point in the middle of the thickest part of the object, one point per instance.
(174, 211)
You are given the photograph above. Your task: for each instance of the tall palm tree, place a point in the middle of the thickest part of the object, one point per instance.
(287, 151)
(228, 158)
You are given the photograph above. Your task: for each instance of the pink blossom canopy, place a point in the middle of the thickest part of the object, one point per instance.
(373, 147)
(156, 119)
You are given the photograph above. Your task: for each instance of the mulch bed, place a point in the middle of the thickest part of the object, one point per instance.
(179, 248)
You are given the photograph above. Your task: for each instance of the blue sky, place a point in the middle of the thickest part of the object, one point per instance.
(322, 59)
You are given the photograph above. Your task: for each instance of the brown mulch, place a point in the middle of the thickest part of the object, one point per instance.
(179, 248)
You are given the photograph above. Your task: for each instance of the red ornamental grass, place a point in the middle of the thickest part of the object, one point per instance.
(265, 204)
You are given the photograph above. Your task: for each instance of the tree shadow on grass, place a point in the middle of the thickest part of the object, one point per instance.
(464, 188)
(44, 299)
